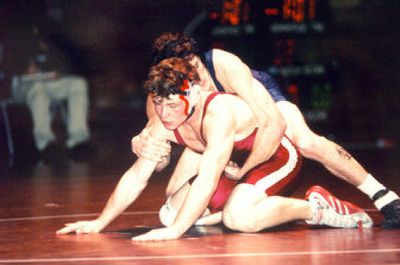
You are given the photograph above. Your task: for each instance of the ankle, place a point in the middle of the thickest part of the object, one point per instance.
(383, 198)
(371, 186)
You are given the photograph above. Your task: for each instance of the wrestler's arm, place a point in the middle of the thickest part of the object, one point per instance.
(143, 145)
(236, 76)
(129, 187)
(186, 167)
(219, 131)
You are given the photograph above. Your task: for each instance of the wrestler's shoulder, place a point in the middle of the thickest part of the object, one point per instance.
(221, 56)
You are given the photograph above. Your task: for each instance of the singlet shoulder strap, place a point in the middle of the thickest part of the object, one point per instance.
(206, 103)
(208, 61)
(179, 137)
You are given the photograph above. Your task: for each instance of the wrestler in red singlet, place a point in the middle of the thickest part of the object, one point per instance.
(271, 176)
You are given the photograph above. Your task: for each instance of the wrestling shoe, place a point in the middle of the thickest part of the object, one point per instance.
(391, 213)
(331, 211)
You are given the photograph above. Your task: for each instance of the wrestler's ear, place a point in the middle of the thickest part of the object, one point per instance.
(194, 92)
(190, 75)
(181, 76)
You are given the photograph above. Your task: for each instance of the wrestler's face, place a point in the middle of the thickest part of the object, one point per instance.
(202, 71)
(171, 111)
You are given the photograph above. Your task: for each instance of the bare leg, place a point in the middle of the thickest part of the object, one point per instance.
(339, 162)
(318, 148)
(250, 210)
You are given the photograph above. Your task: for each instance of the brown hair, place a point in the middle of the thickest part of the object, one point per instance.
(173, 44)
(168, 76)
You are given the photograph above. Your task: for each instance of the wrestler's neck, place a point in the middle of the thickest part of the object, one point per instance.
(206, 82)
(194, 118)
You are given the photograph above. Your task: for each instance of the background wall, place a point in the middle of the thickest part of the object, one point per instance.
(109, 42)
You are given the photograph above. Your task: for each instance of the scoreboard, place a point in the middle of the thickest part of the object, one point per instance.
(278, 16)
(283, 36)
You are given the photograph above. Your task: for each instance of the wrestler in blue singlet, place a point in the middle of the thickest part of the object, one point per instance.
(267, 80)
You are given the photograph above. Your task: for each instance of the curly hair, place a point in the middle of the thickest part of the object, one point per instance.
(167, 77)
(173, 44)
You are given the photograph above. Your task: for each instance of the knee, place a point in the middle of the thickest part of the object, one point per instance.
(238, 219)
(238, 211)
(37, 94)
(167, 214)
(310, 145)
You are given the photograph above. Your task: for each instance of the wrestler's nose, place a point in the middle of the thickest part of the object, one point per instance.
(164, 113)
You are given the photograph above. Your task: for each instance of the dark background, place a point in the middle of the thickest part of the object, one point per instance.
(355, 99)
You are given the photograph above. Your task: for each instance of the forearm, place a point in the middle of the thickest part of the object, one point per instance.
(126, 192)
(203, 187)
(267, 141)
(271, 127)
(194, 206)
(186, 168)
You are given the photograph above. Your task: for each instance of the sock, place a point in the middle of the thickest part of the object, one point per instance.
(316, 214)
(377, 192)
(371, 186)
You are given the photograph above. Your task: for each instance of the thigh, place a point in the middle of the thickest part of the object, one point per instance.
(217, 202)
(60, 88)
(243, 196)
(221, 194)
(275, 175)
(56, 88)
(297, 127)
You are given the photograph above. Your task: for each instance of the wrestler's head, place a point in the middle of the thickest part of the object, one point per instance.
(174, 44)
(173, 85)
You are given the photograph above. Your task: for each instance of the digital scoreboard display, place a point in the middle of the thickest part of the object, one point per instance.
(274, 16)
(275, 34)
(301, 16)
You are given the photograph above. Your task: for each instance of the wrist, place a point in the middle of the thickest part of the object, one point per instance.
(177, 230)
(101, 223)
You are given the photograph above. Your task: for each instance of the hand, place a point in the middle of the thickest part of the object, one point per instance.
(231, 171)
(167, 233)
(81, 227)
(163, 163)
(148, 147)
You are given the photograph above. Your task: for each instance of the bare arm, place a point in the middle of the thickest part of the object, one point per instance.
(213, 162)
(219, 128)
(143, 145)
(126, 192)
(129, 187)
(186, 168)
(236, 76)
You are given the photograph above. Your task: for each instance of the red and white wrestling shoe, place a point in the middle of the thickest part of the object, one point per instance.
(330, 211)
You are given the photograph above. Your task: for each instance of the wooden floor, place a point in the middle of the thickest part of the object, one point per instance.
(37, 198)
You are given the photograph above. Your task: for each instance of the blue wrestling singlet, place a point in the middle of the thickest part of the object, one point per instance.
(267, 80)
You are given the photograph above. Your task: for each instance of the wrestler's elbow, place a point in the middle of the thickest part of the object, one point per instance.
(275, 124)
(280, 125)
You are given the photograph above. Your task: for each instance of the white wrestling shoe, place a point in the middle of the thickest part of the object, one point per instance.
(331, 211)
